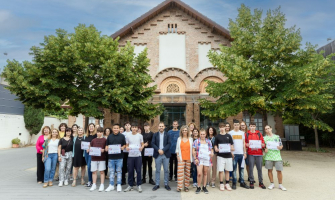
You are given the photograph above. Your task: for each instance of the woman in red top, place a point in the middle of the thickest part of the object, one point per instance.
(40, 165)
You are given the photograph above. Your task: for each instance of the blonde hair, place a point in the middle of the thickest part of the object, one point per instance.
(78, 131)
(50, 135)
(181, 131)
(88, 130)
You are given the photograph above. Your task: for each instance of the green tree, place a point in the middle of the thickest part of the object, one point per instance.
(33, 120)
(86, 70)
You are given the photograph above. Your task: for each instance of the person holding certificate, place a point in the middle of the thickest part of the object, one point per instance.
(224, 145)
(98, 163)
(115, 144)
(255, 143)
(203, 153)
(78, 156)
(90, 135)
(146, 159)
(126, 132)
(273, 157)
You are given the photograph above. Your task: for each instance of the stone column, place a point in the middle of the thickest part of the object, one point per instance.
(189, 113)
(196, 115)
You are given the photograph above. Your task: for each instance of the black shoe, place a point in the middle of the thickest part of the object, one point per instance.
(57, 179)
(244, 185)
(198, 190)
(252, 185)
(123, 183)
(144, 180)
(167, 187)
(152, 182)
(205, 190)
(261, 185)
(88, 184)
(234, 186)
(170, 179)
(155, 188)
(176, 179)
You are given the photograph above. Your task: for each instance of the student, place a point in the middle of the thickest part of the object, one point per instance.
(255, 155)
(211, 133)
(78, 155)
(224, 160)
(201, 146)
(46, 131)
(49, 158)
(98, 163)
(227, 126)
(107, 132)
(127, 132)
(115, 160)
(161, 143)
(191, 127)
(121, 130)
(273, 158)
(65, 147)
(244, 128)
(195, 136)
(74, 134)
(134, 140)
(90, 135)
(174, 135)
(147, 160)
(184, 155)
(239, 153)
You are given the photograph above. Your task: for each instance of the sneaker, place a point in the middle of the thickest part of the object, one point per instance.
(88, 184)
(282, 188)
(221, 187)
(244, 185)
(128, 189)
(102, 187)
(123, 183)
(205, 190)
(271, 186)
(118, 188)
(261, 185)
(94, 187)
(195, 185)
(144, 180)
(152, 182)
(213, 185)
(110, 188)
(60, 184)
(252, 185)
(139, 189)
(66, 182)
(207, 185)
(198, 190)
(234, 186)
(227, 186)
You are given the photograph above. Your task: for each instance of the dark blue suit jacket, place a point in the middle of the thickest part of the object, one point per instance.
(166, 144)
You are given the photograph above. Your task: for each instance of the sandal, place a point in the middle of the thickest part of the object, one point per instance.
(178, 190)
(82, 182)
(186, 189)
(74, 183)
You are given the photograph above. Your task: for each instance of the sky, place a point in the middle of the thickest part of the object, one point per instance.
(24, 23)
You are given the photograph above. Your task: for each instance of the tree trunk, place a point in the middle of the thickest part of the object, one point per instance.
(316, 138)
(265, 119)
(30, 138)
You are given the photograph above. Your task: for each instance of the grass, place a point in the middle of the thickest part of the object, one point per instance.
(319, 151)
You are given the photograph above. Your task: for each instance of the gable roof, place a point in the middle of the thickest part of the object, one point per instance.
(167, 4)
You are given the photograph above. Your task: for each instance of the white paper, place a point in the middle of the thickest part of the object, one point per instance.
(134, 150)
(203, 152)
(255, 144)
(85, 145)
(243, 163)
(224, 148)
(95, 151)
(114, 149)
(148, 151)
(272, 145)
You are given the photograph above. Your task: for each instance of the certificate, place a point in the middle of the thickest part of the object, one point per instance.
(114, 149)
(85, 145)
(272, 145)
(95, 151)
(134, 150)
(148, 151)
(224, 148)
(255, 144)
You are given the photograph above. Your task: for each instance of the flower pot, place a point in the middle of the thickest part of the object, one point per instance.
(15, 145)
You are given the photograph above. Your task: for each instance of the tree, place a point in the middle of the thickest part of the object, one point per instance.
(33, 120)
(87, 71)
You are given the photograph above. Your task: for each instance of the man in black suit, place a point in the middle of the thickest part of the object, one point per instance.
(161, 143)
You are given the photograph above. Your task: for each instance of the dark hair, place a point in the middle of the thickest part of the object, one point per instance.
(110, 131)
(175, 121)
(100, 129)
(62, 124)
(127, 123)
(221, 124)
(195, 129)
(214, 131)
(146, 124)
(134, 124)
(236, 121)
(115, 125)
(75, 125)
(227, 123)
(268, 125)
(161, 123)
(252, 123)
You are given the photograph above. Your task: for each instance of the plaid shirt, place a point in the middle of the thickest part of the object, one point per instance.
(196, 145)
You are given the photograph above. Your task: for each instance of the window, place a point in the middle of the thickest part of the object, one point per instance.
(205, 122)
(171, 29)
(258, 118)
(172, 113)
(246, 118)
(172, 88)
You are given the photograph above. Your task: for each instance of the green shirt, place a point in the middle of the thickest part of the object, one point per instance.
(273, 155)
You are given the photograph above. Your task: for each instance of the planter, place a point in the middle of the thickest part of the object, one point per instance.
(15, 145)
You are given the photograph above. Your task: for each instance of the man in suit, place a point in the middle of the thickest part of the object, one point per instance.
(161, 143)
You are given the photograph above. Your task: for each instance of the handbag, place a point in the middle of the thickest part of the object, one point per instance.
(63, 150)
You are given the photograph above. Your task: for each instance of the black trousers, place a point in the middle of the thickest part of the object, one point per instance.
(40, 168)
(147, 160)
(173, 170)
(124, 167)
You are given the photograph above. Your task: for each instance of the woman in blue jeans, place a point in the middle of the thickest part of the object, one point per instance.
(50, 156)
(195, 135)
(90, 135)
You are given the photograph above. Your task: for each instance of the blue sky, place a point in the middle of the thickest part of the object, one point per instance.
(24, 23)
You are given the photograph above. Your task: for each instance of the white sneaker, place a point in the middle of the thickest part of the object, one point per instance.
(101, 188)
(60, 184)
(119, 188)
(94, 187)
(282, 187)
(271, 186)
(195, 185)
(66, 182)
(128, 189)
(139, 189)
(110, 188)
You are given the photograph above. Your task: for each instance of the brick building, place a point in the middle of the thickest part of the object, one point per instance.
(178, 39)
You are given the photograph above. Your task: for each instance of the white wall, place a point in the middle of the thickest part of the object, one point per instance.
(138, 49)
(172, 51)
(271, 122)
(203, 50)
(13, 125)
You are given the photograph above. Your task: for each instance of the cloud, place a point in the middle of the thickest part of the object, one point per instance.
(10, 23)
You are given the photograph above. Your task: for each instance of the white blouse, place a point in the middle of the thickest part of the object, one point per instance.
(178, 150)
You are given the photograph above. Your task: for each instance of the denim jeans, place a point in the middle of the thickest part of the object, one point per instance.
(50, 167)
(88, 159)
(115, 165)
(195, 173)
(238, 158)
(159, 160)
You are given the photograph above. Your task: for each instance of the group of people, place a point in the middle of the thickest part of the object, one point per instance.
(184, 153)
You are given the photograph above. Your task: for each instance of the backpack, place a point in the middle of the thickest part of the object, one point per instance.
(259, 135)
